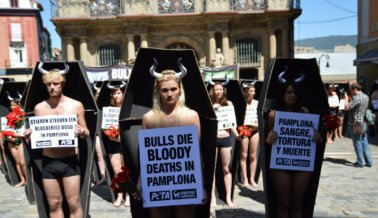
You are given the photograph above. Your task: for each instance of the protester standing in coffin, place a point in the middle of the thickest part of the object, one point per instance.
(218, 96)
(99, 154)
(15, 145)
(169, 110)
(60, 166)
(113, 147)
(250, 136)
(333, 101)
(289, 187)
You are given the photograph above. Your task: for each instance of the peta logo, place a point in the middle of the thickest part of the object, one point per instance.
(44, 143)
(160, 196)
(66, 142)
(184, 194)
(283, 161)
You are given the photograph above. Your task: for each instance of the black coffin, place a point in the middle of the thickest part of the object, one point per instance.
(314, 98)
(103, 100)
(9, 164)
(76, 87)
(138, 100)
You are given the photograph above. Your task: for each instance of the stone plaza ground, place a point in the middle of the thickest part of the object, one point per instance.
(344, 191)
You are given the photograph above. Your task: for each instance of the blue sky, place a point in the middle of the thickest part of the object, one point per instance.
(319, 18)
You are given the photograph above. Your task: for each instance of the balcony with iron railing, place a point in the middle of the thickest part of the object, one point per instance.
(111, 8)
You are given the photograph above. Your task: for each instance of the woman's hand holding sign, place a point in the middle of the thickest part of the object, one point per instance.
(317, 137)
(272, 137)
(81, 132)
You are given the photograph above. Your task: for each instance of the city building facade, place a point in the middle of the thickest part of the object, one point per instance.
(245, 32)
(24, 41)
(367, 47)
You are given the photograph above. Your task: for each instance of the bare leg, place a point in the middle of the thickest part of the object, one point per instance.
(299, 186)
(243, 160)
(253, 145)
(185, 211)
(281, 181)
(225, 154)
(329, 137)
(116, 161)
(15, 154)
(100, 161)
(72, 193)
(161, 212)
(340, 128)
(213, 198)
(54, 197)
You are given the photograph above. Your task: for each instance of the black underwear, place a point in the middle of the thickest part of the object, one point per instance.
(56, 168)
(224, 142)
(112, 147)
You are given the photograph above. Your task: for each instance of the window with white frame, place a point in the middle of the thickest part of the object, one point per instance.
(16, 34)
(17, 54)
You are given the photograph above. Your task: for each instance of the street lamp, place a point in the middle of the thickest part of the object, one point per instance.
(326, 56)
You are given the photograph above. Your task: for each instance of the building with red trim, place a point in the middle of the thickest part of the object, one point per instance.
(24, 40)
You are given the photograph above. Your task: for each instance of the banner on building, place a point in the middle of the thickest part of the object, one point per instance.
(219, 72)
(117, 72)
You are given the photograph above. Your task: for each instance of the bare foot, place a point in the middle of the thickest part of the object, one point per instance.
(117, 203)
(99, 182)
(213, 203)
(254, 184)
(329, 142)
(20, 184)
(245, 185)
(230, 204)
(127, 201)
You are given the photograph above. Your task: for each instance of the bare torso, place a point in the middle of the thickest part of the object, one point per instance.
(66, 106)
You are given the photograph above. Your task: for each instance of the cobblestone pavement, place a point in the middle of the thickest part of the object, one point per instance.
(344, 191)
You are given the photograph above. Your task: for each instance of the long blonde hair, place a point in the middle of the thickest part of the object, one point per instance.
(167, 75)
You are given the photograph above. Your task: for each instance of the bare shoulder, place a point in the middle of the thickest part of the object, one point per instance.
(191, 114)
(147, 119)
(74, 103)
(40, 107)
(271, 114)
(229, 103)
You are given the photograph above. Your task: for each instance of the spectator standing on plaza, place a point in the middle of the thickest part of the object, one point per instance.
(358, 106)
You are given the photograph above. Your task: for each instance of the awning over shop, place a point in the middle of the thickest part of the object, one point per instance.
(368, 57)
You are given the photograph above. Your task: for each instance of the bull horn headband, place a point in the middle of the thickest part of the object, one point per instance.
(123, 84)
(223, 83)
(14, 99)
(178, 75)
(43, 71)
(282, 80)
(95, 87)
(247, 84)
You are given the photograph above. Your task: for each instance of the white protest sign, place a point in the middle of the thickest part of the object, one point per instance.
(342, 104)
(110, 117)
(53, 131)
(294, 148)
(251, 114)
(5, 127)
(375, 104)
(226, 117)
(333, 101)
(170, 166)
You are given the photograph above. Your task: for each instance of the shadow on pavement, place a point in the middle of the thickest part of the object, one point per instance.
(339, 161)
(237, 212)
(103, 192)
(255, 195)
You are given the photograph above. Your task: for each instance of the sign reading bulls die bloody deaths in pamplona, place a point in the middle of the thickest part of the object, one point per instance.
(170, 166)
(294, 148)
(53, 131)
